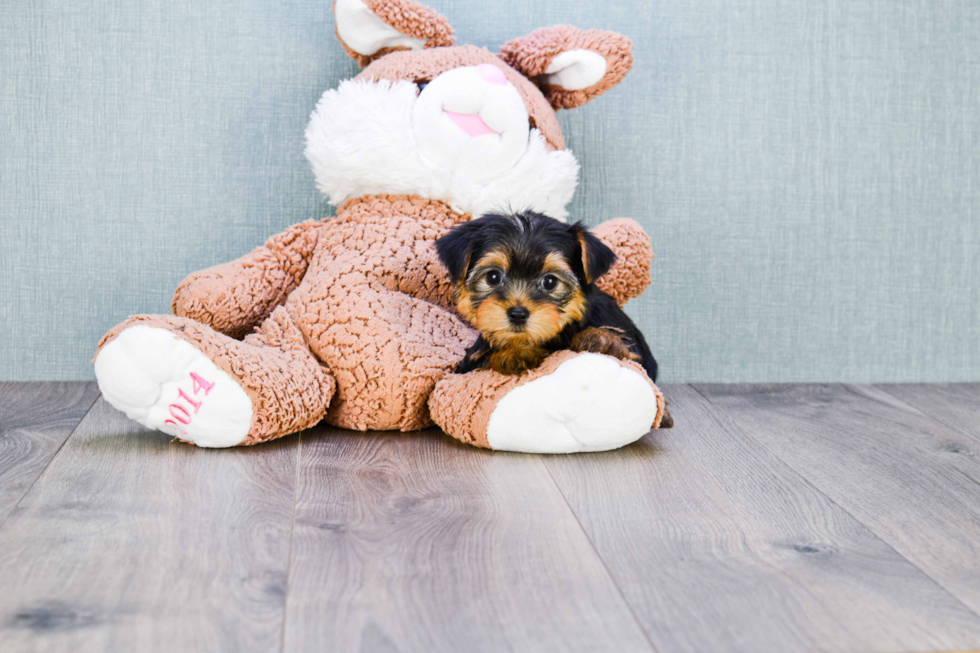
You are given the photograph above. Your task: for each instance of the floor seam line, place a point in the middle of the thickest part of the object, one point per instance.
(602, 561)
(883, 387)
(48, 464)
(289, 556)
(847, 512)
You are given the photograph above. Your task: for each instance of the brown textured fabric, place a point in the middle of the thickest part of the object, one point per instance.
(289, 389)
(630, 276)
(533, 53)
(408, 17)
(376, 308)
(369, 321)
(374, 303)
(234, 297)
(414, 66)
(461, 404)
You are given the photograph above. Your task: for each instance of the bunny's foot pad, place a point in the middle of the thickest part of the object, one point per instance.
(167, 384)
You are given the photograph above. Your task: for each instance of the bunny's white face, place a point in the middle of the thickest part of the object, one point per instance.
(461, 139)
(471, 120)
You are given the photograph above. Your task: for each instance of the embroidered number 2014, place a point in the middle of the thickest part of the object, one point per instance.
(182, 415)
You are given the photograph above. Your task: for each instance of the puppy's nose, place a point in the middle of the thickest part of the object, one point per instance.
(491, 73)
(518, 315)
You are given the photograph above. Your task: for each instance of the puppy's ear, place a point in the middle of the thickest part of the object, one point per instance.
(456, 249)
(597, 258)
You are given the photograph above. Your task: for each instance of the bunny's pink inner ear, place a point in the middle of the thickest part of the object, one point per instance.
(571, 66)
(369, 29)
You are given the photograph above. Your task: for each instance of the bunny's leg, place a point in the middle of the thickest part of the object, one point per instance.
(386, 350)
(573, 402)
(186, 379)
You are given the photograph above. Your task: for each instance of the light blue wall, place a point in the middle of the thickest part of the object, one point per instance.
(809, 170)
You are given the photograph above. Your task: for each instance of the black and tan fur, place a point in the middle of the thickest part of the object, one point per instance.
(527, 283)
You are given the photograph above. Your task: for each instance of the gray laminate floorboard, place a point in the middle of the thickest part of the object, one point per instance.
(719, 546)
(957, 405)
(35, 420)
(128, 542)
(914, 481)
(772, 518)
(414, 542)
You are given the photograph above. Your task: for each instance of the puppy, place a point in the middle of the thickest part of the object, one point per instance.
(527, 283)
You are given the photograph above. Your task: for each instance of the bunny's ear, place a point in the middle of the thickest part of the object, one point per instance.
(369, 29)
(571, 66)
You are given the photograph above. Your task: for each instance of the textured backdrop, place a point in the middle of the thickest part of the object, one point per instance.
(809, 170)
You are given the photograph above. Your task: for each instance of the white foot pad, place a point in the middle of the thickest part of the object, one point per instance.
(167, 384)
(589, 403)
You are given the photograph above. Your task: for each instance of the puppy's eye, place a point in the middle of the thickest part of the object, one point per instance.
(422, 86)
(493, 278)
(549, 282)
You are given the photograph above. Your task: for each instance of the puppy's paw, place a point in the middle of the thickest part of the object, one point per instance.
(603, 340)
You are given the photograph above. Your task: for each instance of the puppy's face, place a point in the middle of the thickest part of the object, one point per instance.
(519, 297)
(521, 279)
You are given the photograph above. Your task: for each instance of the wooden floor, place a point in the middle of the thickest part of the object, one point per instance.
(771, 518)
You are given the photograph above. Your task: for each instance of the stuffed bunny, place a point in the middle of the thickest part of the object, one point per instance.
(350, 319)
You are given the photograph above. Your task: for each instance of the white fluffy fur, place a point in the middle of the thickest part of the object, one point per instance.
(360, 141)
(464, 90)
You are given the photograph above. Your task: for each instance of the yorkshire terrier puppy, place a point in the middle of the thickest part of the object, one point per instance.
(527, 283)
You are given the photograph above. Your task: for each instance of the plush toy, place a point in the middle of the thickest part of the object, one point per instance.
(350, 319)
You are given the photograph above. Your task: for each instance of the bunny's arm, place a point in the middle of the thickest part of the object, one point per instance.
(630, 275)
(236, 296)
